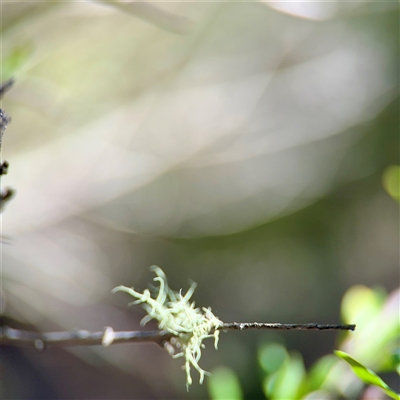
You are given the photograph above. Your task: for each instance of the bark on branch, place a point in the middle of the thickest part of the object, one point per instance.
(38, 340)
(288, 327)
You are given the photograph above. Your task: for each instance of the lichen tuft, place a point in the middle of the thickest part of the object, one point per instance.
(177, 315)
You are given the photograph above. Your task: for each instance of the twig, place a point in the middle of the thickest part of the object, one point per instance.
(4, 118)
(21, 338)
(6, 194)
(5, 86)
(4, 121)
(289, 327)
(4, 168)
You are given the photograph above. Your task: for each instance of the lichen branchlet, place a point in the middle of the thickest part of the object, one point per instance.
(177, 315)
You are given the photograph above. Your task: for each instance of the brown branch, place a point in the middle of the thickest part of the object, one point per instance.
(78, 337)
(38, 340)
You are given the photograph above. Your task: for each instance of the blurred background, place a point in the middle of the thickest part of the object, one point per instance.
(239, 145)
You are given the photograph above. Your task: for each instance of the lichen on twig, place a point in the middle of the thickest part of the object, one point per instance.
(177, 315)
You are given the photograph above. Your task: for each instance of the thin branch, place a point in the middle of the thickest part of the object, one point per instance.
(4, 168)
(6, 86)
(78, 337)
(6, 194)
(38, 340)
(4, 121)
(4, 118)
(288, 327)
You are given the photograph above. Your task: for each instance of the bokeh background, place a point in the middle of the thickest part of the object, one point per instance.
(239, 145)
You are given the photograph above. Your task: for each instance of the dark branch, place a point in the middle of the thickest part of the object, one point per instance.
(4, 118)
(289, 327)
(4, 121)
(4, 168)
(21, 338)
(6, 194)
(5, 86)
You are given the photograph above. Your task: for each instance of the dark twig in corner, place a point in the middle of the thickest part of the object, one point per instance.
(5, 86)
(7, 193)
(4, 168)
(21, 338)
(4, 121)
(4, 118)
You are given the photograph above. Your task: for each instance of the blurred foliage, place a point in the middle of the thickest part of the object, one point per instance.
(224, 384)
(391, 181)
(375, 340)
(250, 146)
(378, 327)
(17, 59)
(366, 375)
(286, 382)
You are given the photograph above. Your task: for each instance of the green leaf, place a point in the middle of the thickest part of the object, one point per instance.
(396, 360)
(286, 382)
(271, 357)
(391, 181)
(319, 372)
(224, 384)
(366, 375)
(361, 304)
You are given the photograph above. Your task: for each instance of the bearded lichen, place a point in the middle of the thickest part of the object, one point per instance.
(178, 316)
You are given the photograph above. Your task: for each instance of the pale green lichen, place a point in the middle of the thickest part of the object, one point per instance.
(177, 315)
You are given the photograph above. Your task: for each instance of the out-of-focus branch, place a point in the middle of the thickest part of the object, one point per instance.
(38, 340)
(4, 121)
(4, 118)
(4, 168)
(5, 86)
(7, 193)
(78, 337)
